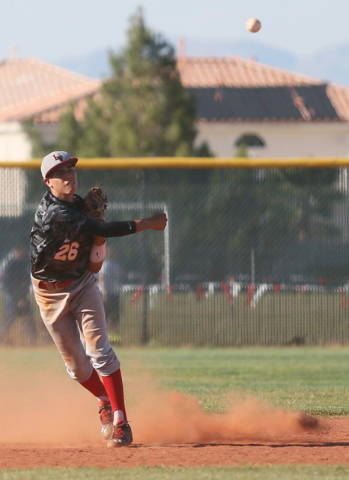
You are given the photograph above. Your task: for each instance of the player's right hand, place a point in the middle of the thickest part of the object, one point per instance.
(158, 221)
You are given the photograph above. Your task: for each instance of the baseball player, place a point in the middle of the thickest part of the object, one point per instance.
(66, 247)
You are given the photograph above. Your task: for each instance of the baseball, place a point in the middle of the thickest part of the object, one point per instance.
(253, 25)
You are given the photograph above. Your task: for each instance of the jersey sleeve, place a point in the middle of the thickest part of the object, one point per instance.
(108, 229)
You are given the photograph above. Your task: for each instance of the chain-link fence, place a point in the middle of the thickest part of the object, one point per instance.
(250, 256)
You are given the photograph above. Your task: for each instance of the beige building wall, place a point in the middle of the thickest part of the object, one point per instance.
(14, 143)
(282, 140)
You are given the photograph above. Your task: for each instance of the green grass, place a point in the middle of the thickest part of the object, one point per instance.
(245, 472)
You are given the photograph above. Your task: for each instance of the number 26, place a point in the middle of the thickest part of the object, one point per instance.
(69, 251)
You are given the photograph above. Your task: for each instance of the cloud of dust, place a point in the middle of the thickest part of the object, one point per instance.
(51, 409)
(46, 408)
(171, 417)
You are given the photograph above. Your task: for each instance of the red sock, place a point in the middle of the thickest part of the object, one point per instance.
(94, 385)
(114, 387)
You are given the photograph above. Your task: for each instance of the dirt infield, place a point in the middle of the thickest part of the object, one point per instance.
(326, 444)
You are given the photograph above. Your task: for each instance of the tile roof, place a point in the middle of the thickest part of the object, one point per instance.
(271, 104)
(339, 97)
(233, 71)
(32, 88)
(29, 86)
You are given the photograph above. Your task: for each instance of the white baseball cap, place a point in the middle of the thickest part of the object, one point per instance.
(54, 159)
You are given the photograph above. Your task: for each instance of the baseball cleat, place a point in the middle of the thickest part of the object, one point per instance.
(122, 436)
(106, 418)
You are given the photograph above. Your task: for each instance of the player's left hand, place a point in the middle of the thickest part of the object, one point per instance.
(95, 204)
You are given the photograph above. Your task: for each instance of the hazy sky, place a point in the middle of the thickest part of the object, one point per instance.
(57, 29)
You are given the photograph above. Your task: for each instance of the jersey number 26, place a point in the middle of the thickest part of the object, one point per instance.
(69, 251)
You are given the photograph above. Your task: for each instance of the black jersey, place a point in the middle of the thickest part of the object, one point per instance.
(62, 238)
(59, 250)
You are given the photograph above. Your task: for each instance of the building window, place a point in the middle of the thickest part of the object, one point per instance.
(249, 140)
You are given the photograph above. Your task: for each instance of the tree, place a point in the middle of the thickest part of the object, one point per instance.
(70, 130)
(39, 147)
(143, 109)
(314, 194)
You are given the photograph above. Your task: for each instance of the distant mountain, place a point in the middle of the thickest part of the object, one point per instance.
(244, 49)
(330, 65)
(93, 65)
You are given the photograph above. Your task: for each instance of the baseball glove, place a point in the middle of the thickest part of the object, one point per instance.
(95, 204)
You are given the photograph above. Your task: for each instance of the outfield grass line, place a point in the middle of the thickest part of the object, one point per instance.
(243, 472)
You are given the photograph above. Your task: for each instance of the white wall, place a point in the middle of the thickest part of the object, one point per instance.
(281, 140)
(14, 143)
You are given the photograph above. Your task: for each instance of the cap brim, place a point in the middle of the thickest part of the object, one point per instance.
(60, 163)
